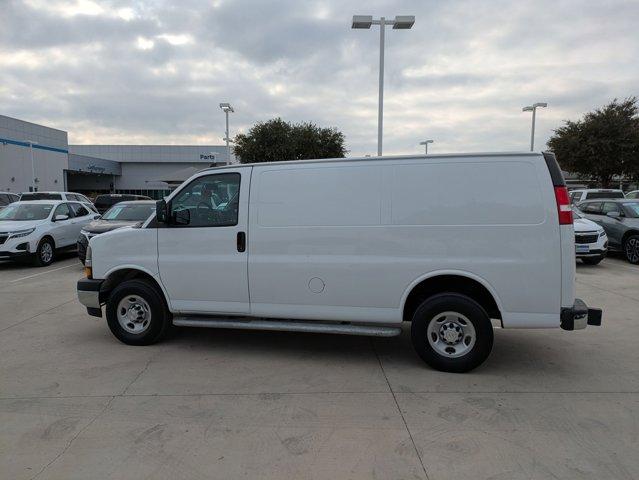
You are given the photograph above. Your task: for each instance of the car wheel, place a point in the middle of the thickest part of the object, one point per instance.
(136, 313)
(592, 260)
(452, 333)
(631, 249)
(45, 253)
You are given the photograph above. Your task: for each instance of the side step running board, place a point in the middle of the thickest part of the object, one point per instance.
(286, 326)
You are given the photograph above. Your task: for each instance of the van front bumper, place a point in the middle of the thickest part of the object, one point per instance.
(579, 316)
(89, 295)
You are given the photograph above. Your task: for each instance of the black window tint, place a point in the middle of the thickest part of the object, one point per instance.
(79, 210)
(63, 209)
(591, 195)
(594, 208)
(4, 199)
(211, 201)
(41, 196)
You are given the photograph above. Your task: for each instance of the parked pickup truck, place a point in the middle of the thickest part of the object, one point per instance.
(452, 244)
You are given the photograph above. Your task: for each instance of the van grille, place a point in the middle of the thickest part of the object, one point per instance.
(588, 238)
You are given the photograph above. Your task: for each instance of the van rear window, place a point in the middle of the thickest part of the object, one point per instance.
(472, 193)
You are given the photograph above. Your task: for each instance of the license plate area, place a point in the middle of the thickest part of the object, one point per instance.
(582, 248)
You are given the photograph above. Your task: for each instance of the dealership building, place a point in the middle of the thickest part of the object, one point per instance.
(38, 157)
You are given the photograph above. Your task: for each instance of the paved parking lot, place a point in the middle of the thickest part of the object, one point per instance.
(76, 404)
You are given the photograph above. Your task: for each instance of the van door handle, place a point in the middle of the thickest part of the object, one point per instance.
(241, 241)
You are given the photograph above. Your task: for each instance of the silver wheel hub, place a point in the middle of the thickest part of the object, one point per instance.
(451, 334)
(134, 314)
(46, 252)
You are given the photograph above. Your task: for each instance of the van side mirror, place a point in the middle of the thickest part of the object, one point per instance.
(59, 218)
(161, 211)
(613, 214)
(182, 217)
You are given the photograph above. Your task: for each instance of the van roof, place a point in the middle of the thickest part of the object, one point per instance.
(380, 159)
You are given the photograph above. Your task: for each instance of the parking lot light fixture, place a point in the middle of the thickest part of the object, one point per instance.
(227, 108)
(425, 143)
(401, 22)
(533, 108)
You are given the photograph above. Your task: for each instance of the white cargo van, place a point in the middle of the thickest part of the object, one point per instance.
(450, 243)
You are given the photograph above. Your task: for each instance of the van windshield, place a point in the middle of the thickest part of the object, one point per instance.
(25, 212)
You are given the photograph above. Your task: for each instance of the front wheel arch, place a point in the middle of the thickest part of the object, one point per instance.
(116, 277)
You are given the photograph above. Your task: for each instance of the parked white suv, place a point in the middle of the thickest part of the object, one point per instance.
(577, 196)
(351, 246)
(68, 196)
(39, 228)
(591, 241)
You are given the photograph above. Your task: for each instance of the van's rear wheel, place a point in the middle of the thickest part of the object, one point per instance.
(136, 313)
(452, 333)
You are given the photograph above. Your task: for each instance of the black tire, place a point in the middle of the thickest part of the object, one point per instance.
(429, 310)
(45, 253)
(631, 249)
(159, 323)
(592, 260)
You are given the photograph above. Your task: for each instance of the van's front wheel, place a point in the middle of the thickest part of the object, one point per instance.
(452, 333)
(136, 313)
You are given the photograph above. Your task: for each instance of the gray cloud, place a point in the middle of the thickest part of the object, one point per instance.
(154, 72)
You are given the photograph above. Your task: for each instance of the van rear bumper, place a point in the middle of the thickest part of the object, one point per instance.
(579, 316)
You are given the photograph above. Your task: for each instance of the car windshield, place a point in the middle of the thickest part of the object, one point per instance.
(129, 213)
(632, 209)
(24, 212)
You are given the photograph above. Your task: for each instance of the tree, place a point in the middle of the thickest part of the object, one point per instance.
(277, 140)
(602, 145)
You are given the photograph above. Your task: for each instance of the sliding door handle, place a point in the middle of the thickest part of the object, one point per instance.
(241, 241)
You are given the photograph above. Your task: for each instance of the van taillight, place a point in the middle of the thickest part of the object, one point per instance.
(563, 206)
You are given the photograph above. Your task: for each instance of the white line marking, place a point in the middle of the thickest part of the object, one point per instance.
(42, 273)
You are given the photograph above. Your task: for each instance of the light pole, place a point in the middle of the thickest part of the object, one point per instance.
(401, 22)
(533, 108)
(31, 144)
(226, 108)
(425, 143)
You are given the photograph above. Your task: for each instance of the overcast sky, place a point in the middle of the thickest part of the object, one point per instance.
(154, 72)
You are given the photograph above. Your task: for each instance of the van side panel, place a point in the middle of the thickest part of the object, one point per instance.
(344, 241)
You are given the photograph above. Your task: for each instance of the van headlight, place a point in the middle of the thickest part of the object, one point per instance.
(22, 233)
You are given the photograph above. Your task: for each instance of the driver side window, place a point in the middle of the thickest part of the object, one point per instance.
(208, 201)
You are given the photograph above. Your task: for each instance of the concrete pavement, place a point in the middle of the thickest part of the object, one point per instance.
(77, 404)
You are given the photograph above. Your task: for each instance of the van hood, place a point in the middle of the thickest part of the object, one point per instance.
(12, 225)
(102, 226)
(585, 225)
